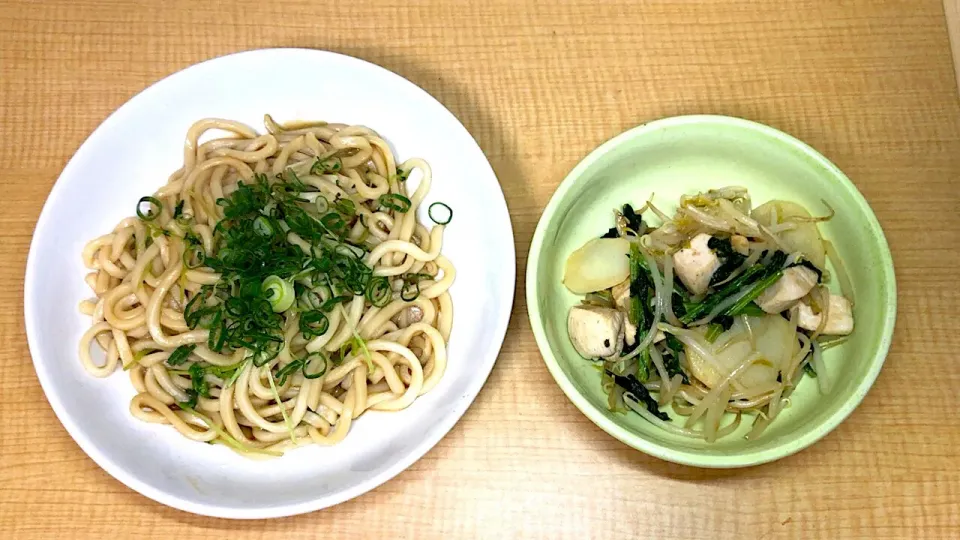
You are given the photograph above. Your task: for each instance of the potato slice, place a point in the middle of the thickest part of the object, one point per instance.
(805, 238)
(771, 334)
(600, 264)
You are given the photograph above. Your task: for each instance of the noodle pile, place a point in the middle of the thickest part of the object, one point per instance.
(276, 288)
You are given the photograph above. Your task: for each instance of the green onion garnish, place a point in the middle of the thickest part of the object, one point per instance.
(394, 201)
(379, 291)
(314, 323)
(323, 205)
(288, 370)
(410, 291)
(346, 207)
(180, 355)
(314, 365)
(279, 293)
(324, 166)
(154, 207)
(440, 221)
(263, 226)
(193, 256)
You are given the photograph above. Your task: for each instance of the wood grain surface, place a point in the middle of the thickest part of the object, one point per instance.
(539, 83)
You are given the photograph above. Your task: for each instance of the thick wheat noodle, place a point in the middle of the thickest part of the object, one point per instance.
(142, 286)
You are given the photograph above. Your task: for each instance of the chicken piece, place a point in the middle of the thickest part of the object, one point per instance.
(596, 332)
(839, 317)
(696, 264)
(795, 283)
(621, 295)
(629, 332)
(740, 244)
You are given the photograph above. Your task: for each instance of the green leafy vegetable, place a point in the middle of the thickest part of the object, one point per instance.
(198, 381)
(634, 221)
(730, 259)
(640, 286)
(713, 332)
(633, 386)
(757, 272)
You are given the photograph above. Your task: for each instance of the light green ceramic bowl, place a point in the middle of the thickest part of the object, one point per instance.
(683, 155)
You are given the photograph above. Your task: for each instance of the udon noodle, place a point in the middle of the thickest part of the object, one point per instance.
(276, 288)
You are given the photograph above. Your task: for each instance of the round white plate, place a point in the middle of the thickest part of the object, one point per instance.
(132, 153)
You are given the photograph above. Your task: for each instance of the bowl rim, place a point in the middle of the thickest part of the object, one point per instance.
(681, 456)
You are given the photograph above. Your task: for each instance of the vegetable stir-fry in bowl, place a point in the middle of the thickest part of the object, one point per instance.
(721, 308)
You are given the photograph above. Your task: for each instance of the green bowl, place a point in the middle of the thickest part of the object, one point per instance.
(683, 155)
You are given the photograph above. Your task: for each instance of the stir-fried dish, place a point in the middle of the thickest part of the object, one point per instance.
(722, 308)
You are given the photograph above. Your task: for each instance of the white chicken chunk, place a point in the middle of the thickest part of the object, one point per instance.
(696, 264)
(795, 283)
(629, 332)
(839, 317)
(740, 244)
(596, 332)
(621, 294)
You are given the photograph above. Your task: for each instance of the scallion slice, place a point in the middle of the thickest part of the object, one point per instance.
(395, 201)
(443, 220)
(154, 207)
(279, 293)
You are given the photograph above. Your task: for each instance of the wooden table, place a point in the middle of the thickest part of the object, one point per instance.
(539, 84)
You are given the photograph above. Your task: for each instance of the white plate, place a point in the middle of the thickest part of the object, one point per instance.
(132, 153)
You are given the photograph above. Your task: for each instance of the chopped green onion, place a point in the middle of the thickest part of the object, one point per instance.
(267, 348)
(283, 408)
(379, 291)
(324, 166)
(218, 332)
(345, 206)
(191, 400)
(137, 357)
(288, 370)
(263, 226)
(358, 343)
(440, 221)
(229, 440)
(410, 291)
(394, 201)
(198, 382)
(314, 358)
(331, 303)
(193, 257)
(322, 204)
(314, 323)
(334, 223)
(153, 209)
(178, 210)
(279, 293)
(411, 286)
(236, 373)
(180, 355)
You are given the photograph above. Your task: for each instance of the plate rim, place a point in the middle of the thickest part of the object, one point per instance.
(682, 456)
(456, 412)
